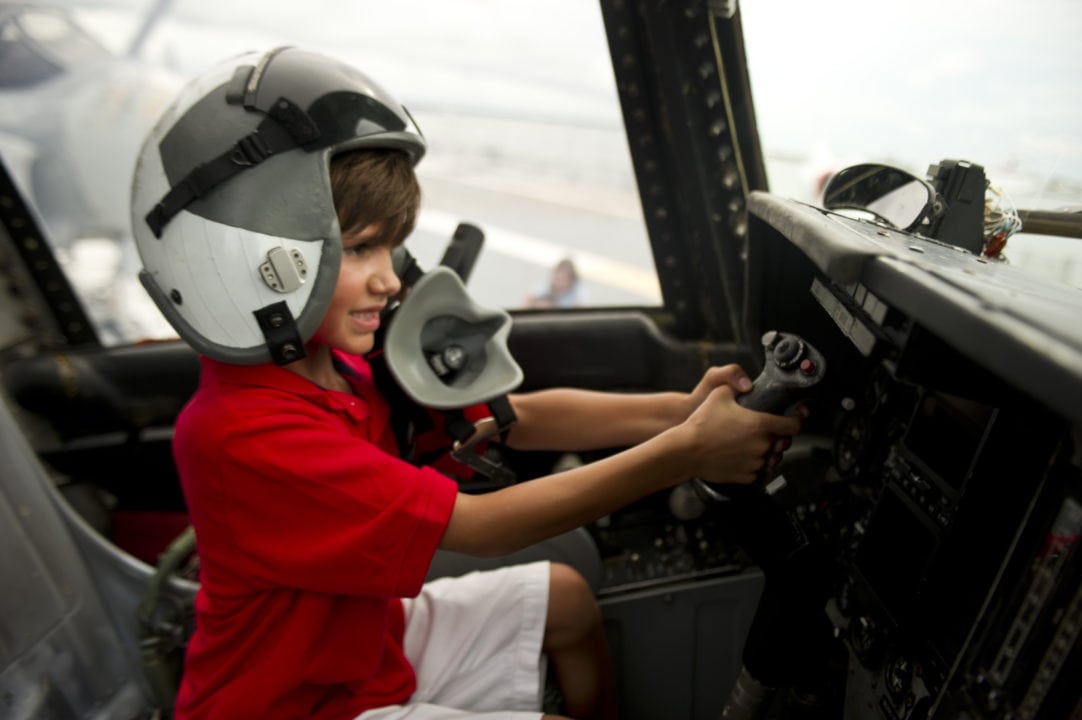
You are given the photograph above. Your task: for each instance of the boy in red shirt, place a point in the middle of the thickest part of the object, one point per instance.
(266, 204)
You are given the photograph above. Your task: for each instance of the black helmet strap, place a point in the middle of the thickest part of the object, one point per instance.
(249, 151)
(280, 331)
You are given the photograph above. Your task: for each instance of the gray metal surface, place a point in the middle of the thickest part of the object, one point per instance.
(59, 654)
(677, 647)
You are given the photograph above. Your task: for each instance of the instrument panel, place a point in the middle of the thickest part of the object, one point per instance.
(954, 404)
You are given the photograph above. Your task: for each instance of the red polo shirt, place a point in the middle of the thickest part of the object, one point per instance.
(309, 529)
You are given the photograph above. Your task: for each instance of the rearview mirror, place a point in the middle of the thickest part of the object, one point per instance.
(890, 195)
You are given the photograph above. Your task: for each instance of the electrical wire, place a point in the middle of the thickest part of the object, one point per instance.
(1001, 220)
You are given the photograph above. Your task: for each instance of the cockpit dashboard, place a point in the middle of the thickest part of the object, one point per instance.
(953, 405)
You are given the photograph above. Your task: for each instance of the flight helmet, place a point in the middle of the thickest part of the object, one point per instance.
(231, 200)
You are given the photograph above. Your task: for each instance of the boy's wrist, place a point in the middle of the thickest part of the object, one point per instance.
(680, 447)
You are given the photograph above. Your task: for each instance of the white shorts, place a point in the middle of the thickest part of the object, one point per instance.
(475, 645)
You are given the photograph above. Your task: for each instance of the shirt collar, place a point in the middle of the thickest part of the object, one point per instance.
(354, 368)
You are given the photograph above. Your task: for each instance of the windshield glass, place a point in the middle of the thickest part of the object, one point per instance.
(911, 84)
(525, 131)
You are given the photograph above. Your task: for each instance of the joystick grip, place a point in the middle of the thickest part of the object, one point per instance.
(791, 368)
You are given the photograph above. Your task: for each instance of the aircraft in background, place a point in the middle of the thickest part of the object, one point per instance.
(72, 117)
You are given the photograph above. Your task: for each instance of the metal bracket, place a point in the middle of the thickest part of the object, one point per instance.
(284, 270)
(465, 452)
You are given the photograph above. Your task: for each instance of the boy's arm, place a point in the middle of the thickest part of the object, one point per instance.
(719, 442)
(570, 419)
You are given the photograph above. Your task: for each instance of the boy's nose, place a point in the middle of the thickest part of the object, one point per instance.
(384, 280)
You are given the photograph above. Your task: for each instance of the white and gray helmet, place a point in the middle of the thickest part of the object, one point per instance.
(231, 200)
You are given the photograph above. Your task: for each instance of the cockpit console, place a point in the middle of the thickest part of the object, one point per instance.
(954, 413)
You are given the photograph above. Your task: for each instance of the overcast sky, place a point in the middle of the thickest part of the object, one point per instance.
(998, 83)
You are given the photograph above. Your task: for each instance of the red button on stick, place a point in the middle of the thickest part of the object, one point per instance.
(807, 366)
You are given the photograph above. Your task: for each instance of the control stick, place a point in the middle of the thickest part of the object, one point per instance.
(791, 369)
(789, 636)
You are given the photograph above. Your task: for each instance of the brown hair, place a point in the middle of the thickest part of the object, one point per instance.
(375, 185)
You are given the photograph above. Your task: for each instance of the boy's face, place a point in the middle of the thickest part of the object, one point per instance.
(366, 280)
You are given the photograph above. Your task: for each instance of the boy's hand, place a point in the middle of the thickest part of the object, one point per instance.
(729, 443)
(732, 375)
